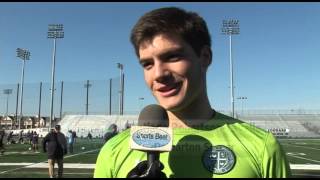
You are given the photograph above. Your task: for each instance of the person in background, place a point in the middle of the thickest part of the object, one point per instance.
(127, 125)
(55, 144)
(29, 136)
(35, 141)
(9, 137)
(2, 134)
(112, 131)
(74, 136)
(21, 137)
(89, 136)
(70, 138)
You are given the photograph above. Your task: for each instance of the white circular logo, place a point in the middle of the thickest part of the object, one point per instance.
(151, 138)
(218, 159)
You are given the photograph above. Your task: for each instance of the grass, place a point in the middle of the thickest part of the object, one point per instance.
(89, 158)
(43, 173)
(302, 151)
(20, 153)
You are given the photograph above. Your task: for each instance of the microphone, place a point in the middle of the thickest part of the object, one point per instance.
(152, 134)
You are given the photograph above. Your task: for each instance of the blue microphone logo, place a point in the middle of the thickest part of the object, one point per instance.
(151, 138)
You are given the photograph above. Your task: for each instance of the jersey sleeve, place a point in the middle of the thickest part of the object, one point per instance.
(274, 161)
(103, 167)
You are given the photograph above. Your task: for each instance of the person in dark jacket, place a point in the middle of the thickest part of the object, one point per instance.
(35, 141)
(2, 134)
(9, 137)
(112, 131)
(21, 137)
(55, 144)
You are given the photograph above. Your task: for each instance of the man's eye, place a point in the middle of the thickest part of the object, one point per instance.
(146, 65)
(174, 57)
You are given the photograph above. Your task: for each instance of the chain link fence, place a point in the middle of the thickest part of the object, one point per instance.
(89, 97)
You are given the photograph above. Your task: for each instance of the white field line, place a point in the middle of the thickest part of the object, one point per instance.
(16, 164)
(303, 147)
(65, 165)
(45, 162)
(65, 157)
(92, 166)
(304, 158)
(9, 153)
(76, 173)
(315, 139)
(305, 166)
(45, 165)
(63, 173)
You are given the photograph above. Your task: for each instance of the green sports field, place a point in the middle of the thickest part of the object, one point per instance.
(19, 162)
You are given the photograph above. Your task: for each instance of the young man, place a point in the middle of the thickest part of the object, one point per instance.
(174, 49)
(70, 141)
(55, 144)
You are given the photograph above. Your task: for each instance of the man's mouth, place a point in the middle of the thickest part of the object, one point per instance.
(169, 90)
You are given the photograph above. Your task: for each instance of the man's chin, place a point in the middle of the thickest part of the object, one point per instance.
(170, 103)
(170, 106)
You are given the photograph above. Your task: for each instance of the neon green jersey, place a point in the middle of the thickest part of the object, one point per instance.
(223, 147)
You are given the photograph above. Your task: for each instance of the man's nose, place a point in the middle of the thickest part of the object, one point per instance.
(161, 71)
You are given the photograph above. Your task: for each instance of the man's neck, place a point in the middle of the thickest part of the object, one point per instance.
(193, 115)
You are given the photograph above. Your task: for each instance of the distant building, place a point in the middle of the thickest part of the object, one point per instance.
(28, 122)
(39, 122)
(42, 122)
(6, 122)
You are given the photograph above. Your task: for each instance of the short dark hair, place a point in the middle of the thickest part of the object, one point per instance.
(57, 127)
(113, 127)
(171, 20)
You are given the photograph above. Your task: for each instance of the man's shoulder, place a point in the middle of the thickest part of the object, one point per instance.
(237, 123)
(48, 135)
(249, 130)
(61, 133)
(244, 130)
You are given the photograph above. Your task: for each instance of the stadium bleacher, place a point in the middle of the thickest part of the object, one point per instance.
(289, 125)
(294, 124)
(97, 125)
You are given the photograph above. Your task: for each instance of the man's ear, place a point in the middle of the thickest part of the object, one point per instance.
(206, 56)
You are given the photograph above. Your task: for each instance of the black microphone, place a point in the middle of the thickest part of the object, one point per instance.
(152, 133)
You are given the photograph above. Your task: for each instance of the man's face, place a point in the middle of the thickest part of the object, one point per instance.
(172, 71)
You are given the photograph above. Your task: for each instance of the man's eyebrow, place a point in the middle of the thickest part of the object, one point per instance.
(165, 54)
(144, 60)
(178, 50)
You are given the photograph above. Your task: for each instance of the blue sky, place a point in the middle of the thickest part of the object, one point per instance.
(276, 55)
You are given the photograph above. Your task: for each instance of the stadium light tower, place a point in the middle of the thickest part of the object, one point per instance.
(7, 92)
(54, 31)
(23, 54)
(120, 66)
(231, 27)
(242, 98)
(87, 85)
(141, 102)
